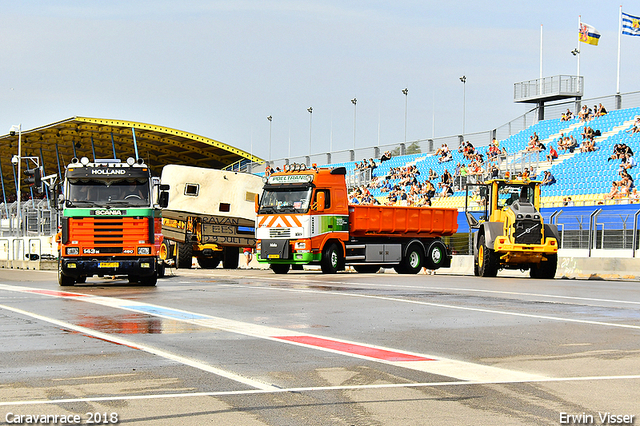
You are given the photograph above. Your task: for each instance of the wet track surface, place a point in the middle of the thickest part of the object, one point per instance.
(250, 347)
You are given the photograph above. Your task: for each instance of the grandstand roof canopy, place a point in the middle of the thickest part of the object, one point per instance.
(57, 143)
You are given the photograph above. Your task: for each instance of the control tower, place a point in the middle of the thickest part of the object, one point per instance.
(548, 89)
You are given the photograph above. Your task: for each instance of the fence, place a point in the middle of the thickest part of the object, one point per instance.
(429, 145)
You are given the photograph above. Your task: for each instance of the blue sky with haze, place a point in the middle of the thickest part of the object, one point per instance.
(219, 68)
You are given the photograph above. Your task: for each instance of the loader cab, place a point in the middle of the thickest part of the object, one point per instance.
(490, 201)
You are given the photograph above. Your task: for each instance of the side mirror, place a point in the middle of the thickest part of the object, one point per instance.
(256, 202)
(163, 199)
(320, 201)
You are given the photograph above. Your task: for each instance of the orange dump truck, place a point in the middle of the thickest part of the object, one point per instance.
(304, 218)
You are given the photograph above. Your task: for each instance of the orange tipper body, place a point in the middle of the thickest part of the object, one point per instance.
(110, 223)
(304, 218)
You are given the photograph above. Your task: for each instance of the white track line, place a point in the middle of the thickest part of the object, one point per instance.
(437, 365)
(149, 349)
(314, 389)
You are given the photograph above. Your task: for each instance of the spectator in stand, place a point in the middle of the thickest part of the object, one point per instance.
(567, 202)
(446, 178)
(442, 150)
(552, 155)
(585, 113)
(432, 175)
(601, 111)
(573, 144)
(445, 154)
(548, 179)
(493, 152)
(386, 156)
(627, 162)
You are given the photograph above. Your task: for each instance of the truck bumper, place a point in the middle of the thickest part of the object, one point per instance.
(77, 267)
(524, 253)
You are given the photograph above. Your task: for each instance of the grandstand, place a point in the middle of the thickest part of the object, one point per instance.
(586, 177)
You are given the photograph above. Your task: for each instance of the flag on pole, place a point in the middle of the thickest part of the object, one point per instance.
(588, 34)
(630, 25)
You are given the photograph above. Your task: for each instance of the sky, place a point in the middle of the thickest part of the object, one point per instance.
(219, 68)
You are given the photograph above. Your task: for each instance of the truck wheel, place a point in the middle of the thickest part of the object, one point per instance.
(208, 262)
(149, 281)
(545, 270)
(64, 280)
(332, 260)
(411, 263)
(280, 268)
(366, 269)
(185, 255)
(230, 257)
(487, 260)
(436, 255)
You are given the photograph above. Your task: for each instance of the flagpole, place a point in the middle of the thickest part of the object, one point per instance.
(579, 29)
(540, 51)
(619, 33)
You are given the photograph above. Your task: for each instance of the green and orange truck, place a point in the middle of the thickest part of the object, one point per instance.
(111, 222)
(304, 218)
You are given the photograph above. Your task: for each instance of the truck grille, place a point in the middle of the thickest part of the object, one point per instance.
(109, 231)
(528, 232)
(279, 232)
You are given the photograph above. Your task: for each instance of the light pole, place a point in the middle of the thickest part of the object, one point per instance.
(463, 79)
(354, 101)
(18, 159)
(405, 91)
(310, 109)
(269, 118)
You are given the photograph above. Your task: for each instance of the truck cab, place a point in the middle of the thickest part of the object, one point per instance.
(510, 231)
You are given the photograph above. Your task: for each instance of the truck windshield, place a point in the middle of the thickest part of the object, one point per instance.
(508, 193)
(130, 192)
(285, 200)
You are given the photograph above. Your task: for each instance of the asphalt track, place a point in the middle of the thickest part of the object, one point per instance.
(249, 347)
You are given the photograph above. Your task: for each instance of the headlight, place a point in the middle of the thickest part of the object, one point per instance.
(144, 250)
(73, 250)
(301, 245)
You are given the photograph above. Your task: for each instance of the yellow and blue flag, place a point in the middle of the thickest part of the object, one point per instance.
(588, 34)
(630, 25)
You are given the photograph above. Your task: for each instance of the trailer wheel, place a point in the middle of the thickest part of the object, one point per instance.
(185, 255)
(64, 280)
(487, 260)
(332, 260)
(436, 255)
(208, 262)
(366, 269)
(230, 256)
(545, 270)
(166, 251)
(280, 268)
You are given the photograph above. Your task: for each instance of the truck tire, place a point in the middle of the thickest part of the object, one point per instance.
(208, 262)
(81, 279)
(160, 267)
(149, 281)
(230, 256)
(545, 270)
(487, 260)
(280, 268)
(366, 269)
(185, 255)
(411, 263)
(332, 259)
(64, 280)
(436, 255)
